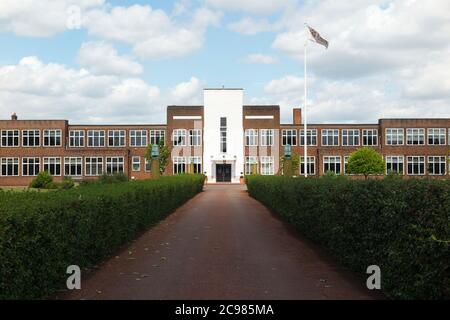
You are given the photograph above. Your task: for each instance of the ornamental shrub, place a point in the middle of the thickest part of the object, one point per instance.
(42, 181)
(42, 233)
(403, 226)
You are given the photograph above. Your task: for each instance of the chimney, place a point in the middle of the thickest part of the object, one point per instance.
(297, 115)
(14, 116)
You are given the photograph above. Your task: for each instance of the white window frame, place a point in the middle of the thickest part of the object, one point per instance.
(267, 137)
(311, 134)
(289, 134)
(156, 135)
(54, 162)
(113, 164)
(395, 133)
(369, 134)
(440, 160)
(147, 165)
(77, 136)
(411, 159)
(36, 165)
(195, 137)
(97, 164)
(251, 137)
(73, 161)
(327, 160)
(395, 159)
(117, 134)
(26, 137)
(431, 133)
(327, 134)
(349, 134)
(142, 137)
(47, 133)
(5, 162)
(179, 161)
(415, 132)
(15, 135)
(179, 137)
(196, 161)
(311, 161)
(91, 134)
(136, 161)
(267, 165)
(249, 162)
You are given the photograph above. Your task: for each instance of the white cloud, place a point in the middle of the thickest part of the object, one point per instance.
(35, 89)
(251, 6)
(249, 26)
(102, 58)
(41, 18)
(258, 58)
(187, 92)
(152, 33)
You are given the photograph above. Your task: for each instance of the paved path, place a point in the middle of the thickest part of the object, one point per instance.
(221, 245)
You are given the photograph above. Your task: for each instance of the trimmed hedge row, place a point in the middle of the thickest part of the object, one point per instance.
(42, 233)
(403, 226)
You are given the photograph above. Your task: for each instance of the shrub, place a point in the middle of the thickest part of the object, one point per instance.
(403, 226)
(43, 233)
(42, 180)
(67, 183)
(365, 161)
(113, 178)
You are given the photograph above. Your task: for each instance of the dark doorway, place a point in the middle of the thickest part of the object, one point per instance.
(223, 173)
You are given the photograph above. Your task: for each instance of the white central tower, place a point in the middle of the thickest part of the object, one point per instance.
(223, 149)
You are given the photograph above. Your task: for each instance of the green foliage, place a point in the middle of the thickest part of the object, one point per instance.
(403, 226)
(365, 161)
(113, 178)
(43, 180)
(164, 155)
(67, 183)
(393, 175)
(295, 160)
(42, 233)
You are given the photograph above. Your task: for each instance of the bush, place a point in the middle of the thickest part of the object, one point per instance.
(67, 183)
(403, 226)
(113, 178)
(43, 233)
(42, 181)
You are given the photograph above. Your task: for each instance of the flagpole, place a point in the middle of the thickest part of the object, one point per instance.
(305, 159)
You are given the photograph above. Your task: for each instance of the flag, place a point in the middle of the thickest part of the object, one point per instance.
(318, 38)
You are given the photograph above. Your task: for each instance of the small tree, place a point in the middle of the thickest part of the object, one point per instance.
(295, 160)
(365, 161)
(44, 180)
(164, 154)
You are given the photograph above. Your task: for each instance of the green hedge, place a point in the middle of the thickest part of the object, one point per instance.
(403, 226)
(42, 233)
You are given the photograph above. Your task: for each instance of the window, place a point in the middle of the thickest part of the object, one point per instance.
(394, 164)
(251, 165)
(436, 165)
(179, 137)
(116, 138)
(136, 163)
(436, 136)
(148, 166)
(138, 138)
(346, 164)
(179, 165)
(311, 137)
(289, 136)
(394, 136)
(52, 138)
(330, 137)
(10, 138)
(156, 136)
(310, 166)
(416, 165)
(30, 166)
(370, 137)
(223, 134)
(350, 137)
(267, 165)
(9, 167)
(96, 138)
(73, 167)
(31, 138)
(251, 137)
(94, 166)
(196, 163)
(332, 164)
(266, 137)
(114, 165)
(195, 137)
(53, 166)
(415, 136)
(76, 138)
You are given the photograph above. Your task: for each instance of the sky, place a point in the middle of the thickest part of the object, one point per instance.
(124, 61)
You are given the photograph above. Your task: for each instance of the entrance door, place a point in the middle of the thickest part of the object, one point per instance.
(223, 172)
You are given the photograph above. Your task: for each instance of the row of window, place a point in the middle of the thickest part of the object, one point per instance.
(180, 136)
(79, 138)
(73, 166)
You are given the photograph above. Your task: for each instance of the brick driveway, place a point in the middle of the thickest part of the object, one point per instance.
(221, 245)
